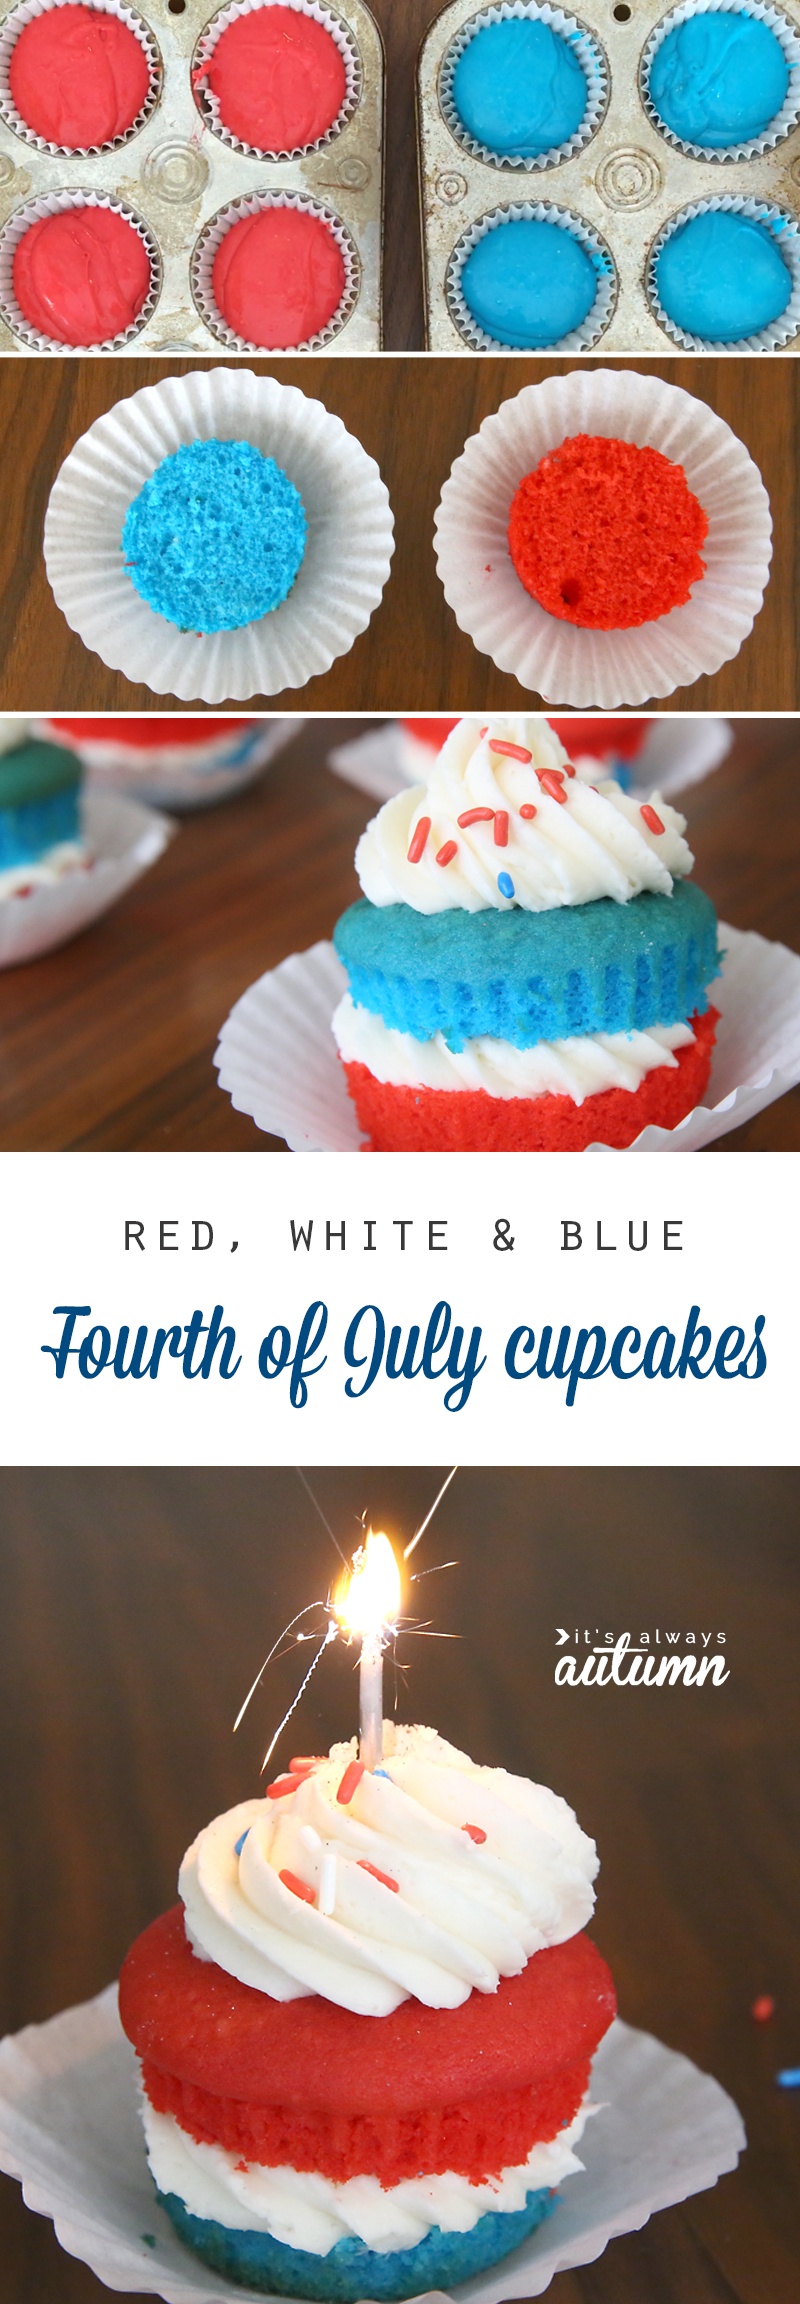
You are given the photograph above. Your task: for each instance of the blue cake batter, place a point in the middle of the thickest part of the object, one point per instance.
(351, 2269)
(528, 283)
(722, 277)
(216, 536)
(719, 79)
(519, 87)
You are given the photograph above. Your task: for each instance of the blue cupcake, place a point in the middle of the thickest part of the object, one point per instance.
(530, 282)
(722, 277)
(519, 88)
(719, 79)
(40, 830)
(216, 537)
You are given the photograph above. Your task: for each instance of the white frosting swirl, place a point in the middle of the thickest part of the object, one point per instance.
(577, 1067)
(462, 1915)
(305, 2210)
(597, 843)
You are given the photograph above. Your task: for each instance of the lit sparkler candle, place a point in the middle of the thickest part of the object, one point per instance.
(366, 1606)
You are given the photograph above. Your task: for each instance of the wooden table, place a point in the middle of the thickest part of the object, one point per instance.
(107, 1045)
(413, 417)
(137, 1607)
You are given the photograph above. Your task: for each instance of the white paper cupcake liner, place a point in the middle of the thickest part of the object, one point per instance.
(70, 2132)
(348, 552)
(676, 753)
(565, 663)
(539, 212)
(54, 204)
(786, 231)
(122, 841)
(340, 32)
(178, 776)
(253, 204)
(9, 34)
(785, 120)
(590, 55)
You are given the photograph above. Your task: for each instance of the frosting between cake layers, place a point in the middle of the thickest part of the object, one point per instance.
(577, 1067)
(450, 1913)
(305, 2210)
(594, 842)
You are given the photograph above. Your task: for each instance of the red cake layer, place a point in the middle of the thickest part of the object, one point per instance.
(600, 734)
(78, 77)
(278, 77)
(278, 277)
(607, 535)
(150, 734)
(431, 732)
(469, 1120)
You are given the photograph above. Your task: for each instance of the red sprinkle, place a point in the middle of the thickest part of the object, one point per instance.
(652, 821)
(383, 1877)
(475, 816)
(542, 772)
(475, 1833)
(501, 828)
(298, 1887)
(446, 854)
(567, 769)
(352, 1776)
(763, 2008)
(551, 782)
(419, 839)
(483, 732)
(510, 751)
(528, 811)
(302, 1765)
(281, 1786)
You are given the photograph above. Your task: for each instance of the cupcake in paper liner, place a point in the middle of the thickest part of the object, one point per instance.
(83, 263)
(78, 76)
(531, 277)
(176, 763)
(725, 274)
(65, 855)
(720, 79)
(523, 85)
(276, 271)
(277, 79)
(304, 521)
(605, 538)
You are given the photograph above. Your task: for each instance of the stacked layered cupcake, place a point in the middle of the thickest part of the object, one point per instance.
(40, 829)
(528, 965)
(366, 2036)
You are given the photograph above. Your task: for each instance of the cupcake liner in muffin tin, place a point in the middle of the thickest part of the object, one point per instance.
(588, 50)
(23, 14)
(211, 240)
(53, 204)
(177, 175)
(786, 230)
(539, 212)
(208, 104)
(627, 182)
(785, 120)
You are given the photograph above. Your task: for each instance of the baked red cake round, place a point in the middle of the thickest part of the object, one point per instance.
(82, 275)
(79, 77)
(278, 77)
(607, 535)
(278, 277)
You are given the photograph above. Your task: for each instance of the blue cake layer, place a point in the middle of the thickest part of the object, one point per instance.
(519, 87)
(722, 277)
(529, 283)
(29, 829)
(719, 78)
(527, 976)
(216, 536)
(351, 2270)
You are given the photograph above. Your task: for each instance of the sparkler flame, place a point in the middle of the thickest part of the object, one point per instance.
(369, 1598)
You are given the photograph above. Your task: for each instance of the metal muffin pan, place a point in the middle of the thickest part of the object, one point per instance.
(177, 174)
(626, 182)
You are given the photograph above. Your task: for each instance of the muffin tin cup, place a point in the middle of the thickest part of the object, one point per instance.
(55, 204)
(782, 330)
(9, 34)
(589, 51)
(340, 32)
(565, 663)
(785, 120)
(210, 242)
(122, 840)
(340, 582)
(541, 212)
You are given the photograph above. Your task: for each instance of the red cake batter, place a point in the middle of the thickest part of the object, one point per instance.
(81, 276)
(278, 77)
(309, 2084)
(78, 77)
(468, 1120)
(278, 277)
(151, 734)
(607, 535)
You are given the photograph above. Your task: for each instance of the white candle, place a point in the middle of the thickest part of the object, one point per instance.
(368, 1607)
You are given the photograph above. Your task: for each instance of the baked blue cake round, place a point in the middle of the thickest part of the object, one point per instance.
(721, 277)
(519, 88)
(216, 537)
(529, 283)
(351, 2270)
(719, 78)
(40, 828)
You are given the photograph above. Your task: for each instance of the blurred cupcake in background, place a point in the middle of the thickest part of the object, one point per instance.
(40, 830)
(178, 763)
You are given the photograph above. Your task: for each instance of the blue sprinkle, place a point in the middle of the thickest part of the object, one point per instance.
(240, 1842)
(790, 2077)
(505, 884)
(383, 1771)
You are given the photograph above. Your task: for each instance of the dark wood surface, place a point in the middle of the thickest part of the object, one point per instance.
(107, 1045)
(137, 1607)
(413, 417)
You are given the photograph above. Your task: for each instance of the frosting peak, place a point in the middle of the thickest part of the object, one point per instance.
(505, 819)
(428, 1879)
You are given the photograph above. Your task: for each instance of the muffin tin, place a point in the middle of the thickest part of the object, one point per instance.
(626, 183)
(176, 175)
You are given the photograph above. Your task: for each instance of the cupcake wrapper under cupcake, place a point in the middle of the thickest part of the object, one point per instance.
(54, 204)
(589, 52)
(539, 212)
(786, 231)
(348, 551)
(123, 839)
(9, 34)
(340, 32)
(175, 778)
(254, 204)
(785, 31)
(563, 662)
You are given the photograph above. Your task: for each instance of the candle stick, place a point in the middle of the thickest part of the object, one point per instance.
(367, 1606)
